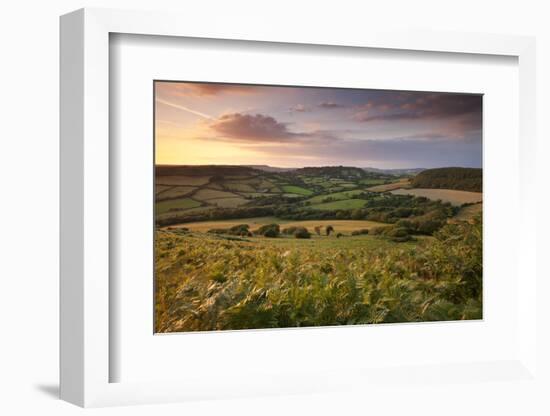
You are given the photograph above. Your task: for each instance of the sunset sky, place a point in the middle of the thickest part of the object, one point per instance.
(231, 124)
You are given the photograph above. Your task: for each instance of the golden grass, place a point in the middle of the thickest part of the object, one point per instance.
(401, 183)
(446, 195)
(344, 226)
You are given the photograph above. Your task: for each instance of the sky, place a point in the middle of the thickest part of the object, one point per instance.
(236, 124)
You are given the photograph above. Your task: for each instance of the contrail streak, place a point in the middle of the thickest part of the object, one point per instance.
(181, 107)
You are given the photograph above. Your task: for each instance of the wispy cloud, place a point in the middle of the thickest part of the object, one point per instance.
(181, 107)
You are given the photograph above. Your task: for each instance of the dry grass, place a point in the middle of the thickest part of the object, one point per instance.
(446, 195)
(467, 213)
(401, 183)
(344, 226)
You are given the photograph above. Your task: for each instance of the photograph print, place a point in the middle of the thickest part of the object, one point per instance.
(291, 206)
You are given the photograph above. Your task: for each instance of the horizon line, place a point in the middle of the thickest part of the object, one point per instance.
(316, 166)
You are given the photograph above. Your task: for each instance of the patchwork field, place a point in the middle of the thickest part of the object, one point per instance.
(402, 183)
(452, 196)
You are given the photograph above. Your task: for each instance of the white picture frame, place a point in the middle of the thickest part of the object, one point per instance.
(85, 211)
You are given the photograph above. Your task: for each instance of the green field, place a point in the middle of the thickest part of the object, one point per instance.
(239, 187)
(343, 204)
(176, 204)
(337, 196)
(372, 181)
(206, 194)
(296, 190)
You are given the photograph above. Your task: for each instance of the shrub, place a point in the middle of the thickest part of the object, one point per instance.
(428, 227)
(269, 230)
(218, 231)
(241, 229)
(405, 224)
(301, 232)
(362, 231)
(378, 230)
(289, 230)
(402, 212)
(271, 233)
(399, 235)
(339, 235)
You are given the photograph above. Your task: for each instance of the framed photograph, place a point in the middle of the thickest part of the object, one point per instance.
(263, 213)
(287, 206)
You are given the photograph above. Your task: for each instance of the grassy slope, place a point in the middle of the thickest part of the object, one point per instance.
(336, 196)
(468, 212)
(210, 283)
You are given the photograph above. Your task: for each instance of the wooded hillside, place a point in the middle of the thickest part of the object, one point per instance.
(464, 179)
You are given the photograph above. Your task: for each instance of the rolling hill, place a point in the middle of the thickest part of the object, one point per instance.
(462, 179)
